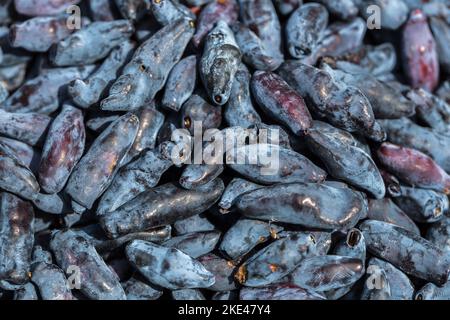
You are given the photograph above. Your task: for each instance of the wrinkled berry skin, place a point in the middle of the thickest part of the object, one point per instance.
(98, 281)
(224, 10)
(305, 28)
(66, 136)
(340, 38)
(196, 175)
(149, 67)
(289, 167)
(386, 102)
(102, 160)
(51, 282)
(277, 259)
(160, 206)
(26, 127)
(136, 177)
(86, 92)
(254, 53)
(234, 190)
(180, 83)
(393, 13)
(305, 204)
(239, 110)
(278, 292)
(261, 17)
(423, 206)
(222, 270)
(400, 287)
(246, 234)
(150, 122)
(198, 109)
(387, 211)
(431, 109)
(343, 106)
(407, 251)
(38, 34)
(22, 151)
(343, 160)
(280, 101)
(16, 240)
(406, 133)
(420, 62)
(42, 7)
(41, 94)
(77, 49)
(15, 177)
(352, 245)
(168, 11)
(375, 60)
(219, 63)
(414, 167)
(168, 267)
(323, 273)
